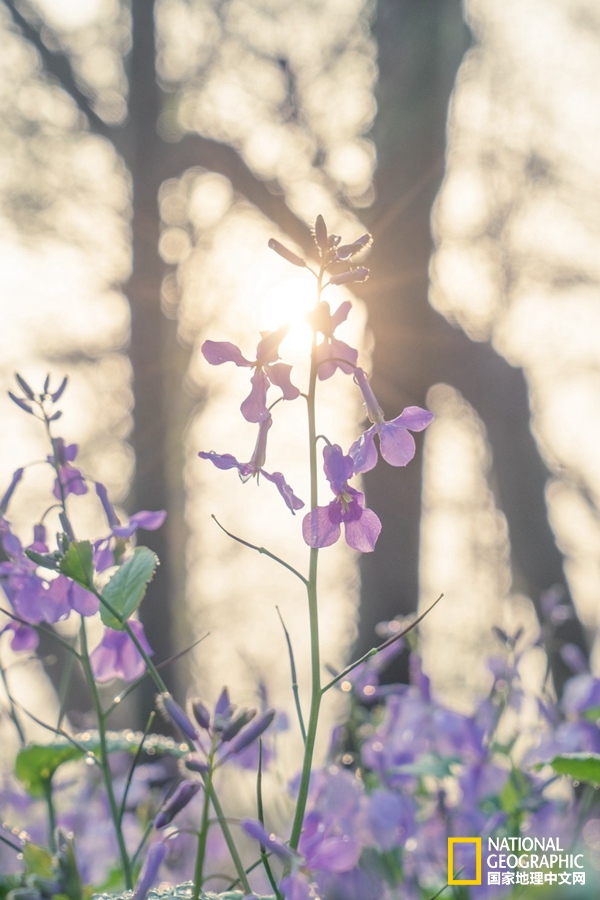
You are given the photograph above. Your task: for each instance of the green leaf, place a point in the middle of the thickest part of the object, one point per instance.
(47, 561)
(67, 868)
(77, 563)
(36, 764)
(579, 766)
(38, 861)
(429, 764)
(127, 587)
(514, 792)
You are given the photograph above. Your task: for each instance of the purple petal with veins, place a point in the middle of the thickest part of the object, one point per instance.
(254, 407)
(292, 502)
(279, 375)
(218, 352)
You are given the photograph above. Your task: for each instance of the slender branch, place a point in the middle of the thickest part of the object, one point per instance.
(13, 708)
(57, 64)
(295, 689)
(263, 550)
(134, 763)
(375, 650)
(104, 760)
(316, 692)
(42, 630)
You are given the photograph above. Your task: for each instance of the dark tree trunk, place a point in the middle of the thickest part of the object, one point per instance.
(421, 46)
(149, 328)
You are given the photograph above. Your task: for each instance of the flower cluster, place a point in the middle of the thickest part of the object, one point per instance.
(34, 578)
(405, 772)
(321, 526)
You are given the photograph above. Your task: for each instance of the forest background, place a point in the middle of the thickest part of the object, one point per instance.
(149, 150)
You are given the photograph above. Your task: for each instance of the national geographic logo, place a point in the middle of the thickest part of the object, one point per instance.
(476, 842)
(513, 861)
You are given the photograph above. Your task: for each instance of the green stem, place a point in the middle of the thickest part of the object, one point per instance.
(262, 550)
(233, 851)
(203, 833)
(104, 763)
(51, 814)
(13, 709)
(158, 681)
(313, 610)
(375, 650)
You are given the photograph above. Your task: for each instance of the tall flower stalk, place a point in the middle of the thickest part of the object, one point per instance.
(108, 577)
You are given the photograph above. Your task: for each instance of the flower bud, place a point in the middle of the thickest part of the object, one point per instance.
(348, 250)
(59, 391)
(349, 277)
(177, 715)
(20, 403)
(250, 734)
(196, 765)
(153, 862)
(287, 254)
(201, 714)
(25, 387)
(18, 474)
(321, 238)
(240, 721)
(186, 791)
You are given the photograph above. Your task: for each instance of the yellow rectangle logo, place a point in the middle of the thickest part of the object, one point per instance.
(462, 840)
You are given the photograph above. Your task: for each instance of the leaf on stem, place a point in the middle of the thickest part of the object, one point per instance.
(77, 563)
(127, 587)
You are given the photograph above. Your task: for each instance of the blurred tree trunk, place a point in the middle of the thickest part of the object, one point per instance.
(421, 46)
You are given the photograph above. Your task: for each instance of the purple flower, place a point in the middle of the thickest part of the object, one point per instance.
(18, 474)
(154, 859)
(396, 443)
(34, 598)
(254, 468)
(321, 527)
(71, 479)
(116, 656)
(145, 519)
(178, 800)
(267, 371)
(229, 730)
(332, 353)
(269, 841)
(23, 637)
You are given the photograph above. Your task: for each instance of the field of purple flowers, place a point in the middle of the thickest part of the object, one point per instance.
(406, 777)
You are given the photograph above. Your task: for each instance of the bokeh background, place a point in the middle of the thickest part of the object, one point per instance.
(148, 151)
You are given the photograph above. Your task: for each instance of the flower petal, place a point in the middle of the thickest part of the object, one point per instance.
(341, 314)
(361, 534)
(219, 352)
(82, 601)
(146, 519)
(292, 502)
(275, 845)
(364, 452)
(279, 375)
(267, 350)
(318, 529)
(414, 418)
(397, 444)
(338, 468)
(221, 460)
(254, 407)
(333, 354)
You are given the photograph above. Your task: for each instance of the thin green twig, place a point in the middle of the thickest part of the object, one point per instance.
(263, 550)
(134, 763)
(295, 689)
(375, 650)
